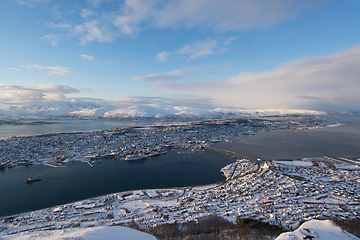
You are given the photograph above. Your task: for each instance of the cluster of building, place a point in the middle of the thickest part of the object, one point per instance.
(279, 192)
(133, 143)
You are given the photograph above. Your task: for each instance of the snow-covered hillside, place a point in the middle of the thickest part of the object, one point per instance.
(319, 230)
(54, 109)
(94, 233)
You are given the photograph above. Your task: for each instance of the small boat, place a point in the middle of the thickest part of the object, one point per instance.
(3, 166)
(10, 165)
(31, 180)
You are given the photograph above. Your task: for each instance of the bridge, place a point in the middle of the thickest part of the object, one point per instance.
(228, 152)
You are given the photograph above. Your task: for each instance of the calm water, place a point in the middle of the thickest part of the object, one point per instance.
(69, 126)
(343, 141)
(78, 181)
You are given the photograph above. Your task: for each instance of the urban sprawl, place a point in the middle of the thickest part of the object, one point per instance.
(284, 192)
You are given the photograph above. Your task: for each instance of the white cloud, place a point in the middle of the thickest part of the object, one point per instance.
(14, 69)
(229, 40)
(52, 38)
(219, 16)
(44, 88)
(132, 14)
(195, 50)
(86, 57)
(57, 70)
(228, 15)
(56, 89)
(64, 25)
(93, 3)
(177, 74)
(86, 13)
(82, 88)
(322, 83)
(23, 95)
(54, 96)
(163, 56)
(198, 49)
(169, 76)
(32, 3)
(92, 31)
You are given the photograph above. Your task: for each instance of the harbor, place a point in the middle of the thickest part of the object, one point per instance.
(179, 167)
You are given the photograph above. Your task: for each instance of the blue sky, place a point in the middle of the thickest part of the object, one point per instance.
(240, 54)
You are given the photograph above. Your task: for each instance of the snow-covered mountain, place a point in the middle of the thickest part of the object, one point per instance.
(141, 111)
(54, 109)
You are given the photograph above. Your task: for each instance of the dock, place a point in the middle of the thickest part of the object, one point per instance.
(89, 163)
(51, 165)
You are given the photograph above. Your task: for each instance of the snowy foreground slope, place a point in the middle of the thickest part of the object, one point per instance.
(319, 230)
(95, 233)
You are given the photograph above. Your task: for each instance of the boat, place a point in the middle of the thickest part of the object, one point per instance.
(31, 180)
(10, 165)
(3, 166)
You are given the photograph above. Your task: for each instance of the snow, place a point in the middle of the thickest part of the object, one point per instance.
(347, 167)
(319, 230)
(90, 112)
(134, 205)
(158, 110)
(94, 233)
(162, 204)
(205, 187)
(294, 163)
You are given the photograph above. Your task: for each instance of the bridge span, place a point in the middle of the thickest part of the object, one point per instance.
(228, 152)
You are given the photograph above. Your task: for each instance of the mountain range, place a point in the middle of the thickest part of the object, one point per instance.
(139, 111)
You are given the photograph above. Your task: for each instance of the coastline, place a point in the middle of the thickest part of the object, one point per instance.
(247, 142)
(229, 144)
(246, 180)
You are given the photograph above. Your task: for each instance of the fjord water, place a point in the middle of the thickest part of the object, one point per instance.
(342, 141)
(78, 181)
(69, 126)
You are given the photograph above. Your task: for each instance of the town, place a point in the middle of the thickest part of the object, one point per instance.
(134, 143)
(282, 193)
(279, 192)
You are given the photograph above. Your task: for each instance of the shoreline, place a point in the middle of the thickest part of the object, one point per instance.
(194, 130)
(121, 208)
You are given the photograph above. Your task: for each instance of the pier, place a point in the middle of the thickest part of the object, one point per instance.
(51, 165)
(89, 163)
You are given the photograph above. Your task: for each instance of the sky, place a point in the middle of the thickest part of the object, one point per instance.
(208, 54)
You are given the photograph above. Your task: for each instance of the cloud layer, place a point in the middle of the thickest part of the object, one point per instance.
(133, 16)
(57, 70)
(197, 49)
(23, 95)
(323, 83)
(169, 76)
